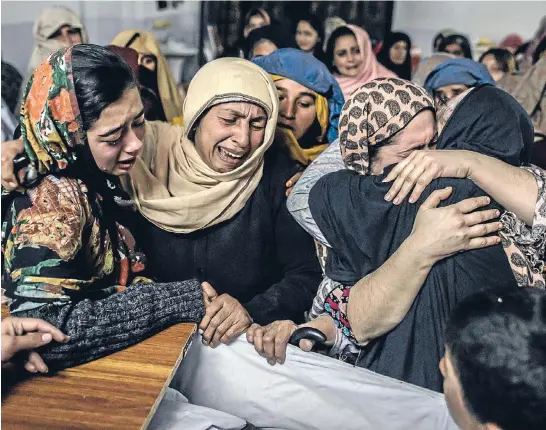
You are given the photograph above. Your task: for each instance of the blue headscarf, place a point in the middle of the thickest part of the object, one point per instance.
(306, 70)
(458, 71)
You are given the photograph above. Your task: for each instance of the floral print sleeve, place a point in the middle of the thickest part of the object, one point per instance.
(525, 245)
(52, 247)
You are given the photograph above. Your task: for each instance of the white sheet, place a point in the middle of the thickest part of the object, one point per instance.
(309, 391)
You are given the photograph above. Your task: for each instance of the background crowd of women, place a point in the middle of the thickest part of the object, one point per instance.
(139, 211)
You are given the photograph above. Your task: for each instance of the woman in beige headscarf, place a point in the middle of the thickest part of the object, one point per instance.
(213, 193)
(56, 27)
(154, 71)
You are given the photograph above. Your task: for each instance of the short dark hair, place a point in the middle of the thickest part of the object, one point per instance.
(504, 58)
(255, 11)
(497, 343)
(100, 79)
(460, 40)
(331, 45)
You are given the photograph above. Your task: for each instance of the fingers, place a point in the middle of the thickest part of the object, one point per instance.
(405, 186)
(209, 291)
(292, 181)
(31, 341)
(214, 324)
(479, 217)
(435, 198)
(258, 340)
(10, 150)
(38, 325)
(306, 345)
(483, 242)
(222, 329)
(399, 168)
(483, 229)
(210, 312)
(36, 362)
(233, 333)
(470, 205)
(250, 333)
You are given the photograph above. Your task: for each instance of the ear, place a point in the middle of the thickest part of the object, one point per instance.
(491, 426)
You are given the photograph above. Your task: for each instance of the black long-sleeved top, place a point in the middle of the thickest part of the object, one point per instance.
(261, 257)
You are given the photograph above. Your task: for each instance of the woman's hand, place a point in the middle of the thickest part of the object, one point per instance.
(291, 182)
(225, 317)
(441, 232)
(10, 150)
(271, 340)
(420, 168)
(20, 334)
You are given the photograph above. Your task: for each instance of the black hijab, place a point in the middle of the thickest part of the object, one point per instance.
(364, 231)
(402, 70)
(490, 121)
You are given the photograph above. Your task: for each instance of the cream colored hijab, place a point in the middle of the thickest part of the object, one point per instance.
(170, 183)
(49, 21)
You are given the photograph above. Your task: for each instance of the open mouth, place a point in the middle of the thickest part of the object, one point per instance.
(126, 164)
(230, 156)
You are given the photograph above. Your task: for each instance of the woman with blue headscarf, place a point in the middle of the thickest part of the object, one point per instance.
(454, 77)
(310, 102)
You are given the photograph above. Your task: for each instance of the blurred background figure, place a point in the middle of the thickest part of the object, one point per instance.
(457, 45)
(511, 42)
(56, 27)
(265, 40)
(499, 62)
(255, 18)
(395, 54)
(331, 24)
(310, 36)
(440, 37)
(154, 76)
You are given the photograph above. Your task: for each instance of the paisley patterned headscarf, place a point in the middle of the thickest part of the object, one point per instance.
(374, 113)
(51, 124)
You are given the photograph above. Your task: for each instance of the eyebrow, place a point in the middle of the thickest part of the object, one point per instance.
(239, 114)
(115, 130)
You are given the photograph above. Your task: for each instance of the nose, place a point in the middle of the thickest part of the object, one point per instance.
(287, 110)
(350, 57)
(133, 144)
(241, 134)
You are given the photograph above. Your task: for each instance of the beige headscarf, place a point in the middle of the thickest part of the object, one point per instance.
(146, 43)
(170, 183)
(49, 21)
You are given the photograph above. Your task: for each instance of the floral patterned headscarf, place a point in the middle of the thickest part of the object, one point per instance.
(51, 124)
(374, 113)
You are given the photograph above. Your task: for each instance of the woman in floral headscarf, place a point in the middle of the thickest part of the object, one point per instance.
(66, 258)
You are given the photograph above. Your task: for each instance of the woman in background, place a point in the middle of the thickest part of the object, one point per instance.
(255, 18)
(457, 45)
(453, 77)
(309, 103)
(499, 62)
(512, 42)
(395, 54)
(56, 27)
(351, 60)
(310, 36)
(154, 72)
(265, 40)
(440, 37)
